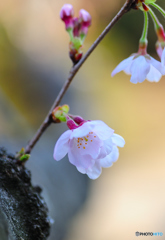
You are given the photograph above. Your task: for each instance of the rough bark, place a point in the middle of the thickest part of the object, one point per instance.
(23, 212)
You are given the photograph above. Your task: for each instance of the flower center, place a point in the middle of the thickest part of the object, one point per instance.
(83, 142)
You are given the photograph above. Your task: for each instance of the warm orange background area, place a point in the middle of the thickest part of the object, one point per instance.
(129, 196)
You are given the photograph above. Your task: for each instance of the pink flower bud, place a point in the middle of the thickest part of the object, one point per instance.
(159, 48)
(71, 123)
(85, 19)
(160, 33)
(78, 119)
(66, 15)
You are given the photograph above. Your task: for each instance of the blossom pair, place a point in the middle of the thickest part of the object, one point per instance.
(141, 65)
(79, 24)
(90, 145)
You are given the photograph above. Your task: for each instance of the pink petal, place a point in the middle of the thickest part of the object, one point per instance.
(106, 148)
(91, 148)
(81, 131)
(90, 145)
(62, 146)
(80, 161)
(101, 129)
(118, 140)
(95, 171)
(109, 159)
(66, 12)
(123, 65)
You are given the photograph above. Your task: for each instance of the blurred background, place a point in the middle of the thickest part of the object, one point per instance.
(34, 64)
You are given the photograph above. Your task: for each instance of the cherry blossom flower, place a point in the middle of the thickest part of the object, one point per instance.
(140, 67)
(90, 145)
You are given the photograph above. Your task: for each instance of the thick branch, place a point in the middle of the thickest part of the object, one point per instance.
(48, 120)
(21, 204)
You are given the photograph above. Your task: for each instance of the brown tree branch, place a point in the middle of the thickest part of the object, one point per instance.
(48, 120)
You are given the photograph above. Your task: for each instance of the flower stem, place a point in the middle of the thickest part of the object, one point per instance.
(145, 28)
(70, 31)
(155, 19)
(158, 8)
(48, 120)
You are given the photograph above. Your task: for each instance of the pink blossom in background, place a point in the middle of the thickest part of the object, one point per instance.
(90, 146)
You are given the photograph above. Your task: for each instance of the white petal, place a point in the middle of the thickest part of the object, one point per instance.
(102, 130)
(109, 159)
(139, 69)
(154, 75)
(62, 146)
(106, 148)
(123, 65)
(118, 140)
(159, 50)
(156, 64)
(81, 131)
(88, 145)
(163, 59)
(81, 170)
(91, 147)
(95, 171)
(80, 161)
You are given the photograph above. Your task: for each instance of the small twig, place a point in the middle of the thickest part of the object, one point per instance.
(48, 120)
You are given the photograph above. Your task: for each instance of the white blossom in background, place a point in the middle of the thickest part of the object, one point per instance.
(141, 67)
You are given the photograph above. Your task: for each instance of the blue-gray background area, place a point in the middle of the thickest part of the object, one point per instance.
(64, 188)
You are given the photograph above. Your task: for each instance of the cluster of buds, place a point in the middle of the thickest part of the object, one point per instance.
(141, 65)
(77, 29)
